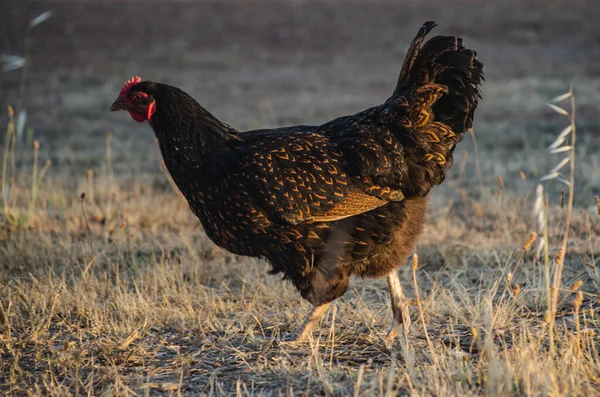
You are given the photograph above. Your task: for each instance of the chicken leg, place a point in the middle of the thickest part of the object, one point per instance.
(304, 331)
(401, 314)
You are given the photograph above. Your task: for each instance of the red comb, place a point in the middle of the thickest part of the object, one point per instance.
(129, 83)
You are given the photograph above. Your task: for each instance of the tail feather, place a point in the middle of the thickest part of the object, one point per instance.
(412, 53)
(445, 62)
(434, 103)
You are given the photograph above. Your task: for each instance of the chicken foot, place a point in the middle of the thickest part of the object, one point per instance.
(304, 331)
(401, 314)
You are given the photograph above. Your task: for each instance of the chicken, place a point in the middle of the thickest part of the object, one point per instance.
(322, 203)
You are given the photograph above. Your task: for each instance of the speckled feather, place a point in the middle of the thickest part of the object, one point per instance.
(322, 203)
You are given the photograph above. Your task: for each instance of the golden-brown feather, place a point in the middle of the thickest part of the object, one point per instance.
(356, 202)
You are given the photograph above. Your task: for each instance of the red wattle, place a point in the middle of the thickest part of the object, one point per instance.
(140, 118)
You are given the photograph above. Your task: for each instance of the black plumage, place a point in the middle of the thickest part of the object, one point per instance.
(321, 203)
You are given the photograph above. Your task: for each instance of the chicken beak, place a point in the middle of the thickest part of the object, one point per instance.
(119, 104)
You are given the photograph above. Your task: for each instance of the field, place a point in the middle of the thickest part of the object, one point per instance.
(108, 285)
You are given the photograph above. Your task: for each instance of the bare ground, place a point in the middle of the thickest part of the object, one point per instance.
(89, 307)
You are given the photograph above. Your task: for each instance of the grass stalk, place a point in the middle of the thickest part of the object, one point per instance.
(477, 162)
(10, 132)
(34, 179)
(571, 194)
(414, 265)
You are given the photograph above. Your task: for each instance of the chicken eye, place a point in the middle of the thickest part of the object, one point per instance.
(138, 95)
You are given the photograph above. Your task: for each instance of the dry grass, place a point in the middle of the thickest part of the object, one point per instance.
(121, 293)
(89, 307)
(117, 291)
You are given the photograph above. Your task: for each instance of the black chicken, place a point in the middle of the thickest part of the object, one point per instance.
(322, 203)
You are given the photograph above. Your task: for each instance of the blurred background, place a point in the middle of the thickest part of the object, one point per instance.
(261, 63)
(109, 286)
